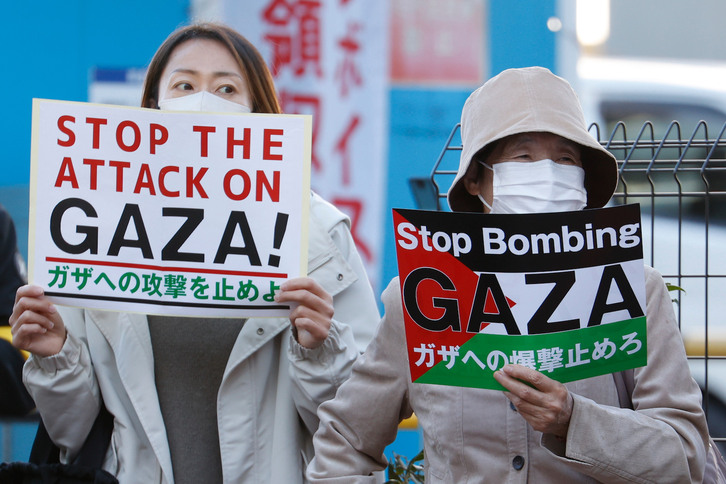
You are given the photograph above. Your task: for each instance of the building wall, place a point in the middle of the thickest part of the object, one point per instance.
(49, 48)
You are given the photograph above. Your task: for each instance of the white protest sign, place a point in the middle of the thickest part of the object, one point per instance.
(192, 214)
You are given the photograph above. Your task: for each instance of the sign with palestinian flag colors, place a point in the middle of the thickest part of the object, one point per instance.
(562, 293)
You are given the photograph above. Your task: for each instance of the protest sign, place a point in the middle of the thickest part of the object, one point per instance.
(562, 293)
(191, 214)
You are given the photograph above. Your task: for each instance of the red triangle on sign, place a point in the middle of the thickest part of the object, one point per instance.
(490, 307)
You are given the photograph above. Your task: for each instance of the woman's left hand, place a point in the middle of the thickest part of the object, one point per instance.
(543, 402)
(314, 312)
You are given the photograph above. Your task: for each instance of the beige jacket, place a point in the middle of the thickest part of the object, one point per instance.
(269, 392)
(474, 436)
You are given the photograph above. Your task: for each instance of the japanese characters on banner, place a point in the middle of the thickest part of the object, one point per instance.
(191, 214)
(330, 60)
(562, 293)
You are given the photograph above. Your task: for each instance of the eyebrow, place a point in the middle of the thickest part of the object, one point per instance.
(569, 144)
(215, 74)
(521, 140)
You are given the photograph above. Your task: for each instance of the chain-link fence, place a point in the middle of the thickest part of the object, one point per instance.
(679, 180)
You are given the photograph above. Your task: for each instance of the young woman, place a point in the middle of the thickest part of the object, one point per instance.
(204, 400)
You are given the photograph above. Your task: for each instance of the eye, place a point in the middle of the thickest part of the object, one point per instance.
(183, 86)
(226, 89)
(568, 160)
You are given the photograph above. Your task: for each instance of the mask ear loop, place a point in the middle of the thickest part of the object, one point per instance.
(484, 202)
(479, 194)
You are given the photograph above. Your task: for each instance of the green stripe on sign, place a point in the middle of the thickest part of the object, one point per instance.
(563, 356)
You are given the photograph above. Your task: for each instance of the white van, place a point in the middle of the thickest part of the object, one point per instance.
(636, 90)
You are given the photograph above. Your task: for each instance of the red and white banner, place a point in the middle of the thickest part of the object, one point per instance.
(191, 214)
(330, 60)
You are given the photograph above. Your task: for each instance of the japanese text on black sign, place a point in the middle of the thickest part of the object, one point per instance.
(560, 293)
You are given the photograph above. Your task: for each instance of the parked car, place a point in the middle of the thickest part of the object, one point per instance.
(660, 91)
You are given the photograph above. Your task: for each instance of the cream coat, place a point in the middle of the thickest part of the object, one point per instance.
(269, 392)
(474, 436)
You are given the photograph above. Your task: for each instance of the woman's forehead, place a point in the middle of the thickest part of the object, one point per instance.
(535, 139)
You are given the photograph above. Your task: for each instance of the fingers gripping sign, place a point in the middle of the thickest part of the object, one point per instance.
(543, 402)
(36, 325)
(312, 311)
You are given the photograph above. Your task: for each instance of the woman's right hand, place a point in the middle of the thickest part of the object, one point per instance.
(36, 325)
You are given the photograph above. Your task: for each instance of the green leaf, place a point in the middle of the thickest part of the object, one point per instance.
(402, 472)
(673, 287)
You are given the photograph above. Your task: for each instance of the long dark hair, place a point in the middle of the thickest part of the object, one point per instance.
(253, 67)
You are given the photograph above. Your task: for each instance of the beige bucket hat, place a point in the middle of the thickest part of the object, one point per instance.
(530, 99)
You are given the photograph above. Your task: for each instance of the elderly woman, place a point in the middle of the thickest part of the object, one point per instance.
(525, 150)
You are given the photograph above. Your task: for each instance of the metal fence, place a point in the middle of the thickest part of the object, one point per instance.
(679, 180)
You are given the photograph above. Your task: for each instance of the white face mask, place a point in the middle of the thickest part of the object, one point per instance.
(536, 187)
(202, 101)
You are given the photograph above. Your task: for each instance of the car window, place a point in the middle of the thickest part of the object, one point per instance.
(661, 114)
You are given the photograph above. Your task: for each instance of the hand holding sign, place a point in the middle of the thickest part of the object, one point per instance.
(36, 325)
(149, 211)
(314, 312)
(543, 402)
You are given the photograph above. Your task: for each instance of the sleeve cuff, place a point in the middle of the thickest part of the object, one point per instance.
(332, 345)
(557, 445)
(67, 357)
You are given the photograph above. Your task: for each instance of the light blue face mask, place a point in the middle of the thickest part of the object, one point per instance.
(202, 101)
(536, 187)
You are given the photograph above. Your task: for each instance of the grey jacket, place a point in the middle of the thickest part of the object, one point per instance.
(267, 401)
(474, 436)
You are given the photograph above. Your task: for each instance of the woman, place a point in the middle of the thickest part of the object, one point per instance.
(525, 150)
(204, 400)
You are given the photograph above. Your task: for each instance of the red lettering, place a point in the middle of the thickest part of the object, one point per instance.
(120, 166)
(67, 131)
(195, 181)
(228, 181)
(273, 190)
(305, 104)
(244, 142)
(163, 133)
(348, 72)
(343, 147)
(204, 132)
(93, 164)
(162, 186)
(120, 136)
(66, 173)
(301, 49)
(144, 180)
(96, 122)
(355, 206)
(266, 155)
